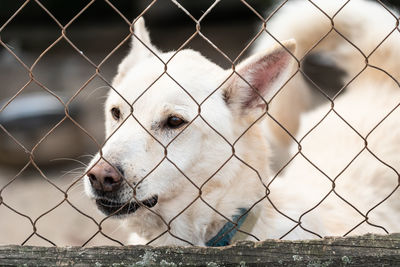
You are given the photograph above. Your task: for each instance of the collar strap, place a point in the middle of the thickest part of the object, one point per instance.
(229, 230)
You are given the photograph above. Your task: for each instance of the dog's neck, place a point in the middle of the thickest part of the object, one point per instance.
(241, 199)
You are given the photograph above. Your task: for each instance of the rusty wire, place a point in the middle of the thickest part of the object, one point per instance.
(233, 62)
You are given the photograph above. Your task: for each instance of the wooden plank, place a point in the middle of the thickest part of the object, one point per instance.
(367, 250)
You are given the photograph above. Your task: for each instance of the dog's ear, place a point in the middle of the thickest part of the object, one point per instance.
(141, 47)
(259, 77)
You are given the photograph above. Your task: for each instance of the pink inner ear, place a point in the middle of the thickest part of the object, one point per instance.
(262, 75)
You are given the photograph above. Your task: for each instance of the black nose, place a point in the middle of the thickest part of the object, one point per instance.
(104, 177)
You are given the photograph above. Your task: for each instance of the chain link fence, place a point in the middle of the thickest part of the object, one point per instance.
(65, 204)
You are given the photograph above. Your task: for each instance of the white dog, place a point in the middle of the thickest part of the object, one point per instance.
(187, 155)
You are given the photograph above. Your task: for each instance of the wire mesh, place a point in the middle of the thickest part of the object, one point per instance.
(197, 23)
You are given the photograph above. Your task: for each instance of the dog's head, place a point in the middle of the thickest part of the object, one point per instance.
(172, 125)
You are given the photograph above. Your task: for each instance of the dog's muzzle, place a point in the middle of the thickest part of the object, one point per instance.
(108, 184)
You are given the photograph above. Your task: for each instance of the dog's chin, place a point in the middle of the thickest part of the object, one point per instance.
(117, 209)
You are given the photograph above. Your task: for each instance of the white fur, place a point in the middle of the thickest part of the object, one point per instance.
(333, 144)
(199, 151)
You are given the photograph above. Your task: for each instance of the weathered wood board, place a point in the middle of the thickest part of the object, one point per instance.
(367, 250)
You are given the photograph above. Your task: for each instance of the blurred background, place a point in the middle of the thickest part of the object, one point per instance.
(32, 115)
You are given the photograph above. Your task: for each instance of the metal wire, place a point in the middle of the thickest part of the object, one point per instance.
(197, 33)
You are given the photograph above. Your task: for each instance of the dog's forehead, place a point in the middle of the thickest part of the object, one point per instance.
(185, 77)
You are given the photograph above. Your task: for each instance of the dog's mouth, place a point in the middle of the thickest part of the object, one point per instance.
(117, 209)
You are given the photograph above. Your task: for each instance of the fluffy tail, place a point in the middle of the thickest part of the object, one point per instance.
(371, 28)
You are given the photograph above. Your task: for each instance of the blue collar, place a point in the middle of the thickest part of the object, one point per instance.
(228, 231)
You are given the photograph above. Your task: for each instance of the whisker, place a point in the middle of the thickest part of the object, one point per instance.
(86, 156)
(77, 171)
(120, 225)
(70, 159)
(76, 187)
(96, 90)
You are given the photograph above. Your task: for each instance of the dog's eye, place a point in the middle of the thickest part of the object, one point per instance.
(174, 122)
(116, 113)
